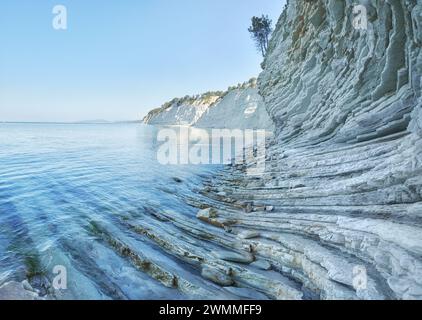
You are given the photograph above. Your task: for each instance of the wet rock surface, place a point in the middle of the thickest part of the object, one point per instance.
(18, 291)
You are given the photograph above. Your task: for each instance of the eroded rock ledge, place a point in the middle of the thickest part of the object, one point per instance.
(344, 172)
(342, 190)
(343, 183)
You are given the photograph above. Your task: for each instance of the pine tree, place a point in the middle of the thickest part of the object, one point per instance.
(260, 30)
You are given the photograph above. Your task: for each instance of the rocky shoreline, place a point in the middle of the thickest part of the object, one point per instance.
(337, 213)
(18, 291)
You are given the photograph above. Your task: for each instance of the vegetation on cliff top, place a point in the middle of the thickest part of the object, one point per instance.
(209, 98)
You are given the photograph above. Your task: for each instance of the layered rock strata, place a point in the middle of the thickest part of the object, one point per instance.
(344, 172)
(338, 212)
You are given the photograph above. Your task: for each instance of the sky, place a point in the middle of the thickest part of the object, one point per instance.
(119, 59)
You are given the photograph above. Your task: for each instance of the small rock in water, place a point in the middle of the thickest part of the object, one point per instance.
(178, 180)
(259, 208)
(248, 234)
(27, 286)
(228, 229)
(206, 214)
(42, 284)
(261, 264)
(16, 291)
(216, 276)
(234, 256)
(248, 207)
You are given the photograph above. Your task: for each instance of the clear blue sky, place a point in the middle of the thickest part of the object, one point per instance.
(119, 59)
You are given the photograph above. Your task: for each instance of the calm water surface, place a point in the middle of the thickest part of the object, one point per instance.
(55, 180)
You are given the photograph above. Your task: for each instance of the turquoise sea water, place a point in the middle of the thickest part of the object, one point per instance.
(55, 180)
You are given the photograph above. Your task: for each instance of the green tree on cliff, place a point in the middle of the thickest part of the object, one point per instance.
(260, 30)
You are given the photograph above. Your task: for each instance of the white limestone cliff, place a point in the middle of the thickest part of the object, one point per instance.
(181, 112)
(239, 107)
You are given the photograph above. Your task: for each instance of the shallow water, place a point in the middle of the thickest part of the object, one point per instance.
(56, 180)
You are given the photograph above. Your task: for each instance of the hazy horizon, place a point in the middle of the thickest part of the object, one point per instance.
(117, 61)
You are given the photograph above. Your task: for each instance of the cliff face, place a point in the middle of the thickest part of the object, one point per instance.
(324, 80)
(182, 112)
(238, 108)
(346, 175)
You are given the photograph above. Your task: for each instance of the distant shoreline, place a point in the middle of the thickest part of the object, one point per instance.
(72, 123)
